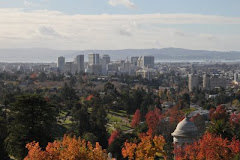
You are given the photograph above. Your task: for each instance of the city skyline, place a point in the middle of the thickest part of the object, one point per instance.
(120, 24)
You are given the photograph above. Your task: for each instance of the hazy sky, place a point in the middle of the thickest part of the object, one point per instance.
(120, 24)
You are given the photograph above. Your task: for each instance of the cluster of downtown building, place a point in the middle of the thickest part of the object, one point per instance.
(212, 79)
(102, 65)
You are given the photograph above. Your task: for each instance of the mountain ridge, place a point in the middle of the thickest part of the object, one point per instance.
(165, 54)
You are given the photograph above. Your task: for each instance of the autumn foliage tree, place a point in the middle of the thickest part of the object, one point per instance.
(148, 148)
(153, 119)
(113, 136)
(68, 149)
(199, 121)
(218, 114)
(210, 147)
(235, 123)
(175, 115)
(220, 124)
(136, 119)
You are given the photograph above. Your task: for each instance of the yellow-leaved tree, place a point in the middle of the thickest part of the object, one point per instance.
(147, 149)
(69, 148)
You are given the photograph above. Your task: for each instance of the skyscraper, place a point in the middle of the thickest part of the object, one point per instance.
(106, 58)
(146, 61)
(93, 59)
(134, 60)
(61, 63)
(79, 61)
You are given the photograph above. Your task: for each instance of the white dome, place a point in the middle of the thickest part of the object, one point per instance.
(185, 128)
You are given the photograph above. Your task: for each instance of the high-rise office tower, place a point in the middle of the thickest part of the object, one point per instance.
(146, 61)
(106, 58)
(61, 63)
(79, 61)
(93, 59)
(134, 60)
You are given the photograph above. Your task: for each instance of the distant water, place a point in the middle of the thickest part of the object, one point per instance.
(199, 61)
(26, 60)
(49, 59)
(46, 59)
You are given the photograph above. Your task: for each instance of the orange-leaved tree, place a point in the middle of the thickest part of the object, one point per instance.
(147, 149)
(210, 147)
(69, 148)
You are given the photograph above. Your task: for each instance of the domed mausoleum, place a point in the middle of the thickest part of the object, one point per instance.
(186, 132)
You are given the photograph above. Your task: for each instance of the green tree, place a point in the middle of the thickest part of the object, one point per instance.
(98, 121)
(32, 118)
(108, 87)
(221, 128)
(81, 119)
(3, 134)
(42, 77)
(68, 93)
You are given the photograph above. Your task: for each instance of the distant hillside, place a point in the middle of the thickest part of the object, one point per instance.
(165, 54)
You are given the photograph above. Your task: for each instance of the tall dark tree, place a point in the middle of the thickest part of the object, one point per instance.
(134, 100)
(3, 134)
(42, 77)
(32, 118)
(108, 87)
(81, 123)
(68, 93)
(98, 121)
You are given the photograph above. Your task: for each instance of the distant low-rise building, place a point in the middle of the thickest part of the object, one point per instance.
(70, 67)
(146, 73)
(211, 82)
(95, 69)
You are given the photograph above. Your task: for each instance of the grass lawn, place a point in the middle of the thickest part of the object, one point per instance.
(118, 120)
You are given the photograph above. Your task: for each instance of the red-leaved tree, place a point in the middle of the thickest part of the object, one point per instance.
(113, 136)
(175, 115)
(153, 119)
(235, 119)
(210, 147)
(136, 119)
(218, 114)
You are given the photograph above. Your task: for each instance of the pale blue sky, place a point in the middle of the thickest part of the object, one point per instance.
(209, 7)
(194, 24)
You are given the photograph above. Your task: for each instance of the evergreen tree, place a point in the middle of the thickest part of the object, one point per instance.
(3, 134)
(32, 118)
(98, 121)
(42, 77)
(68, 93)
(81, 119)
